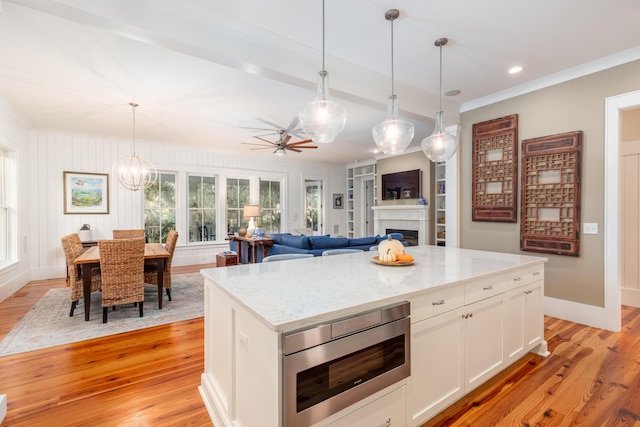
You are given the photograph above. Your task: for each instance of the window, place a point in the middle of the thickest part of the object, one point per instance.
(270, 206)
(4, 211)
(202, 208)
(160, 208)
(237, 196)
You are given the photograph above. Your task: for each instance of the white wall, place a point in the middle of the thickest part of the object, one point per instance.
(13, 138)
(52, 152)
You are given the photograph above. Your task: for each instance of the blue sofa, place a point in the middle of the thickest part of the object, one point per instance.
(286, 243)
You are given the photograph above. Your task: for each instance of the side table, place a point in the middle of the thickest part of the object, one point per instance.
(252, 255)
(224, 259)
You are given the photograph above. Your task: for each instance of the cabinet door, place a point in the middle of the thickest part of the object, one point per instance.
(523, 322)
(388, 411)
(483, 341)
(533, 315)
(436, 366)
(514, 325)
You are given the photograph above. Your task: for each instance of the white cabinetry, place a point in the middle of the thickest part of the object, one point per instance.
(361, 196)
(463, 335)
(387, 411)
(440, 205)
(523, 326)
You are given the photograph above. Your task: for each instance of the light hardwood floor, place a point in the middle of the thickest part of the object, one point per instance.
(150, 378)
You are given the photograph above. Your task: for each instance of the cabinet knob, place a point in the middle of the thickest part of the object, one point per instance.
(441, 302)
(536, 273)
(386, 423)
(488, 288)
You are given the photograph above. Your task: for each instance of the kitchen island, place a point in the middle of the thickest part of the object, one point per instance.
(473, 313)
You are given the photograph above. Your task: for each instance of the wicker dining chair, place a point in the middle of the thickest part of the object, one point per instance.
(72, 247)
(128, 234)
(122, 270)
(151, 271)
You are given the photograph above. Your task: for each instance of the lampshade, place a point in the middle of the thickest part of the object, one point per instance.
(440, 145)
(251, 211)
(322, 119)
(393, 135)
(134, 172)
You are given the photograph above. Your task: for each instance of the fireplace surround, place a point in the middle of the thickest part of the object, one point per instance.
(403, 217)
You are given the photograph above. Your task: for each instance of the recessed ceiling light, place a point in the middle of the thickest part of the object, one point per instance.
(453, 92)
(515, 70)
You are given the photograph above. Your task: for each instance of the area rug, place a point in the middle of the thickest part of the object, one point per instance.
(48, 324)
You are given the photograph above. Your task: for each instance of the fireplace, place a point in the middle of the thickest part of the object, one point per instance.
(410, 236)
(407, 219)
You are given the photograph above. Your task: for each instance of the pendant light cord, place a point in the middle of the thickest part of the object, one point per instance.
(393, 92)
(133, 107)
(323, 70)
(440, 98)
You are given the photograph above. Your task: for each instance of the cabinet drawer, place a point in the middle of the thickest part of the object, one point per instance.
(436, 302)
(526, 276)
(389, 410)
(484, 288)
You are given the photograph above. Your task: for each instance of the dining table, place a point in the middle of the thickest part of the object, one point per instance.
(154, 254)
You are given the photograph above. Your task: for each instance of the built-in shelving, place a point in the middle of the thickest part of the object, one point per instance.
(440, 205)
(357, 175)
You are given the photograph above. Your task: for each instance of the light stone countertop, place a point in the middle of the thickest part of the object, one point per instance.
(292, 294)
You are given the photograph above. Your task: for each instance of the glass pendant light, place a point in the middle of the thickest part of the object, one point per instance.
(440, 145)
(393, 135)
(134, 172)
(323, 119)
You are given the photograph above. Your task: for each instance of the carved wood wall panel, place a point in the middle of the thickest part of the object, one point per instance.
(495, 170)
(550, 221)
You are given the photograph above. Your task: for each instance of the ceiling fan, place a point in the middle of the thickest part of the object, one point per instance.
(284, 136)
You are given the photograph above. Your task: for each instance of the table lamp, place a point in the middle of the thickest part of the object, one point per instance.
(251, 211)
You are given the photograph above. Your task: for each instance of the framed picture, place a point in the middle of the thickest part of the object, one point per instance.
(86, 193)
(338, 200)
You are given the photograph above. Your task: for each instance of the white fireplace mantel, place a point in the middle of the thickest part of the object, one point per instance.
(404, 217)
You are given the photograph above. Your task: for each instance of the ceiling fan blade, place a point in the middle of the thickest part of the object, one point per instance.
(255, 143)
(286, 138)
(265, 140)
(293, 149)
(301, 142)
(303, 146)
(293, 124)
(261, 148)
(275, 126)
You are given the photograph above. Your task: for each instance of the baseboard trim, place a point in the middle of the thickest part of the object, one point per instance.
(575, 312)
(3, 407)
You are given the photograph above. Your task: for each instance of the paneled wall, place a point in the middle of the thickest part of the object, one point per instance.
(52, 152)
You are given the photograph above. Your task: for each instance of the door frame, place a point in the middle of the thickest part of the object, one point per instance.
(612, 291)
(322, 213)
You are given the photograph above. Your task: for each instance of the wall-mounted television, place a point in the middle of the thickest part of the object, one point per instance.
(402, 185)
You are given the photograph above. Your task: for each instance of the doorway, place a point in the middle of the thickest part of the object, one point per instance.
(313, 206)
(613, 107)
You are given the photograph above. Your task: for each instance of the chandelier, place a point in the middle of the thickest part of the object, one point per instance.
(134, 172)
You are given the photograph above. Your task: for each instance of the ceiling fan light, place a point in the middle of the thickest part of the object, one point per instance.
(280, 152)
(440, 145)
(393, 135)
(322, 119)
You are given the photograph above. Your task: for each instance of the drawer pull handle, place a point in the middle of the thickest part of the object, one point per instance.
(517, 279)
(468, 315)
(488, 288)
(441, 302)
(536, 273)
(528, 292)
(387, 423)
